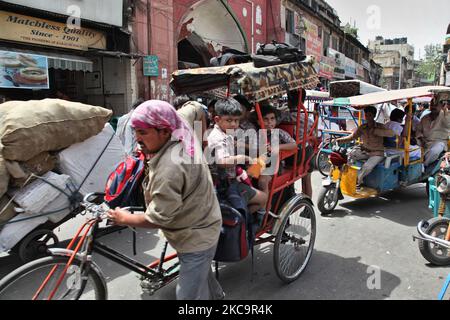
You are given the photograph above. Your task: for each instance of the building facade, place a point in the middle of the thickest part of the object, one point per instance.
(83, 49)
(314, 27)
(397, 58)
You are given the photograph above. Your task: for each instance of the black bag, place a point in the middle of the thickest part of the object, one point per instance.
(236, 238)
(277, 53)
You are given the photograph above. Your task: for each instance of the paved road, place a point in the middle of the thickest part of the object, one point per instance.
(360, 238)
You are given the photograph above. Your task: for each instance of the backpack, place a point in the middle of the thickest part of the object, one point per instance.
(277, 53)
(236, 236)
(123, 184)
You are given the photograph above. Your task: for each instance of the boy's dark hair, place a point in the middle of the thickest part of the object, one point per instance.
(244, 102)
(179, 101)
(267, 109)
(397, 115)
(293, 97)
(228, 107)
(370, 109)
(212, 103)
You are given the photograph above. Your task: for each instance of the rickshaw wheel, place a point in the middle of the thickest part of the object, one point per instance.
(294, 242)
(327, 200)
(322, 162)
(35, 244)
(433, 253)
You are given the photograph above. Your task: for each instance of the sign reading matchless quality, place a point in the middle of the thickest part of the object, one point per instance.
(27, 29)
(23, 71)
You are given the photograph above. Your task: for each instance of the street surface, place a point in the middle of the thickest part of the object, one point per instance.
(360, 238)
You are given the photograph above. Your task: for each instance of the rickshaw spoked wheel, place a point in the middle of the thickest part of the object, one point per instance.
(433, 253)
(35, 244)
(322, 162)
(294, 242)
(328, 199)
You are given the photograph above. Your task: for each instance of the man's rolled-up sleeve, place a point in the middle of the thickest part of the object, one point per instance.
(166, 197)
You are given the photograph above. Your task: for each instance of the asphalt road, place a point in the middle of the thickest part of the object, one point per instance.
(364, 251)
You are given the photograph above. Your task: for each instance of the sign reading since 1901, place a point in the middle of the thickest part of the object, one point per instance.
(22, 28)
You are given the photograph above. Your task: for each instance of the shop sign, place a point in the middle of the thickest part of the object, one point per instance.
(16, 27)
(23, 71)
(313, 42)
(365, 64)
(350, 68)
(447, 79)
(327, 67)
(339, 62)
(359, 71)
(151, 66)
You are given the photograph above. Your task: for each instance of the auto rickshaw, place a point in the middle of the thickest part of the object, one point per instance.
(396, 171)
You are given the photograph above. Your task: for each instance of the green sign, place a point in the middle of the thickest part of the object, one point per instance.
(151, 66)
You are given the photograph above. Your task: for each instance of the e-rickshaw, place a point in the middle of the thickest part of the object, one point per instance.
(396, 171)
(289, 222)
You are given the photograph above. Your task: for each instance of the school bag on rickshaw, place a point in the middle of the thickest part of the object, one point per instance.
(237, 232)
(123, 184)
(276, 53)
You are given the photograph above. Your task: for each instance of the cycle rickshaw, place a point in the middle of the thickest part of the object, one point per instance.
(290, 223)
(396, 171)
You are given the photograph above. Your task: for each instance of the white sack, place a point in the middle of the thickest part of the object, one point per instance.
(77, 160)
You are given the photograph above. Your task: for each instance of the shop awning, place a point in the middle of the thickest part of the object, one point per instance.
(64, 62)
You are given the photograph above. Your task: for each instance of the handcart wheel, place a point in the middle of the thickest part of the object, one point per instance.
(35, 244)
(294, 242)
(328, 200)
(434, 253)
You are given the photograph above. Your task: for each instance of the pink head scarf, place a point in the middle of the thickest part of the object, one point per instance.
(159, 114)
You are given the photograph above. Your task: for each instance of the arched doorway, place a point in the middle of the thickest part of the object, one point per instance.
(206, 30)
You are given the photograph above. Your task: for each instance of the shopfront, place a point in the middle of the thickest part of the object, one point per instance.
(43, 57)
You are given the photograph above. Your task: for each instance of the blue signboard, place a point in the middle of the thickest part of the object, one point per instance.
(151, 66)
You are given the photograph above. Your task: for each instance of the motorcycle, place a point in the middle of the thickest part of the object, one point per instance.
(434, 239)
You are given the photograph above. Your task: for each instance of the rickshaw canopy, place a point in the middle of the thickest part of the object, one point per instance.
(377, 98)
(256, 84)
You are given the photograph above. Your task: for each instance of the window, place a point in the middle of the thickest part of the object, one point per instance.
(334, 43)
(290, 25)
(303, 44)
(320, 32)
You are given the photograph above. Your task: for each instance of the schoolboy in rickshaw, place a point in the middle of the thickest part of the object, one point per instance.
(291, 116)
(433, 130)
(372, 135)
(393, 144)
(221, 145)
(280, 137)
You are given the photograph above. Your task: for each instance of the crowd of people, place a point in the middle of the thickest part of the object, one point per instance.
(183, 199)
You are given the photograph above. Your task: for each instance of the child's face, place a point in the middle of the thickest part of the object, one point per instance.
(227, 122)
(270, 121)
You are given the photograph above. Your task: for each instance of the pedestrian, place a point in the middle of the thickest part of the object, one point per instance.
(180, 198)
(433, 130)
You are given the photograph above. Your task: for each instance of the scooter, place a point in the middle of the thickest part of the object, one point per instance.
(434, 239)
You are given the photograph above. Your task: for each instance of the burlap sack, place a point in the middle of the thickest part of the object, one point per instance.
(28, 128)
(21, 171)
(4, 176)
(7, 212)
